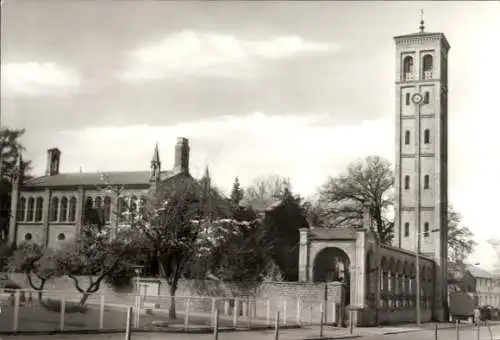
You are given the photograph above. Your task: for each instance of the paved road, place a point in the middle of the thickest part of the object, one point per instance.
(368, 334)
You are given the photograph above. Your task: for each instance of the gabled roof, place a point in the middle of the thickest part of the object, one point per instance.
(261, 205)
(95, 179)
(480, 273)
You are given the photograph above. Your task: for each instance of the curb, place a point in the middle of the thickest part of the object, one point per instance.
(334, 337)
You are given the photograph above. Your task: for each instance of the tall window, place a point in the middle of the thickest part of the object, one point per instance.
(21, 210)
(30, 210)
(54, 209)
(72, 209)
(407, 137)
(407, 99)
(107, 209)
(426, 182)
(427, 97)
(408, 67)
(407, 182)
(427, 136)
(39, 209)
(426, 229)
(64, 210)
(427, 66)
(407, 229)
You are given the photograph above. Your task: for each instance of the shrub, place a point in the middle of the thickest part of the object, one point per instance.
(70, 307)
(121, 279)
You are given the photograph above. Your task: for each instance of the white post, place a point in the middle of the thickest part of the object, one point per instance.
(311, 314)
(334, 312)
(268, 311)
(298, 311)
(128, 326)
(235, 312)
(16, 310)
(284, 311)
(63, 312)
(101, 313)
(212, 312)
(186, 314)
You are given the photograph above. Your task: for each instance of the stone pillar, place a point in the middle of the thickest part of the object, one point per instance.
(46, 216)
(360, 269)
(14, 201)
(80, 203)
(304, 255)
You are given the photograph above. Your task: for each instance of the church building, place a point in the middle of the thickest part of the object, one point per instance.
(50, 209)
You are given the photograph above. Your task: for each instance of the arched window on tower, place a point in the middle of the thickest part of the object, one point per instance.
(408, 68)
(22, 210)
(427, 97)
(64, 210)
(39, 209)
(407, 229)
(426, 182)
(427, 136)
(427, 66)
(30, 209)
(407, 137)
(407, 182)
(426, 229)
(54, 209)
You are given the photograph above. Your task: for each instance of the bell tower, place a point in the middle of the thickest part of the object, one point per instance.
(422, 151)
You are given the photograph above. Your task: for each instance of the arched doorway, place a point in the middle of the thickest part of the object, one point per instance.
(332, 264)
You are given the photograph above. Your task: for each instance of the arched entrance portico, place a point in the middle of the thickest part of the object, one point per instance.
(332, 264)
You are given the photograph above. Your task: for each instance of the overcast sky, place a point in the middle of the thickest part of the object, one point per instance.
(294, 88)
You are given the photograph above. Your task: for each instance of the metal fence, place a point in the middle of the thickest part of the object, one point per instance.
(53, 311)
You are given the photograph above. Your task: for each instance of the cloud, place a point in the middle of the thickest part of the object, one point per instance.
(37, 79)
(190, 53)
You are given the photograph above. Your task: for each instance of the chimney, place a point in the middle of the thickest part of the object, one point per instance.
(53, 160)
(181, 163)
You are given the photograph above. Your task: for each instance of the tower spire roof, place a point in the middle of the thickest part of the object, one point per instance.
(156, 155)
(422, 26)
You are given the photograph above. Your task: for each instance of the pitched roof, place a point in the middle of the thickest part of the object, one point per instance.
(262, 204)
(95, 179)
(480, 273)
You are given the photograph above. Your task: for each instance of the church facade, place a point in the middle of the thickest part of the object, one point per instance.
(51, 209)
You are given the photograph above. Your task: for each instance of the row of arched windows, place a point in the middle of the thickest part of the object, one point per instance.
(30, 210)
(407, 229)
(62, 209)
(409, 70)
(427, 182)
(427, 137)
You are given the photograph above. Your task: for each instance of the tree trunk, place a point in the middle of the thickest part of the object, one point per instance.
(172, 315)
(83, 299)
(377, 281)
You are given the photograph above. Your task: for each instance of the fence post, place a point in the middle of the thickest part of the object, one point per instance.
(235, 312)
(351, 321)
(277, 326)
(63, 312)
(128, 326)
(436, 331)
(298, 311)
(285, 305)
(101, 313)
(216, 324)
(16, 310)
(322, 317)
(457, 326)
(334, 312)
(212, 311)
(311, 314)
(186, 314)
(268, 311)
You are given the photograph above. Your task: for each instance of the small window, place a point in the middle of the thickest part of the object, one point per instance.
(426, 229)
(72, 209)
(407, 182)
(21, 210)
(427, 97)
(28, 237)
(39, 209)
(54, 209)
(408, 65)
(407, 229)
(407, 99)
(30, 210)
(426, 182)
(427, 136)
(61, 237)
(64, 210)
(407, 137)
(427, 66)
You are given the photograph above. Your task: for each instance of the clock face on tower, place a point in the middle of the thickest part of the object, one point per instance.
(417, 98)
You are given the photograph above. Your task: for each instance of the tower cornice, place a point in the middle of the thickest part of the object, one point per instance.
(419, 38)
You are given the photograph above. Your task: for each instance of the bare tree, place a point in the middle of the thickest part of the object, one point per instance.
(267, 187)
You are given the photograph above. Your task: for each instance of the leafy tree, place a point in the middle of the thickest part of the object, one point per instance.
(236, 192)
(96, 255)
(267, 187)
(36, 262)
(10, 149)
(460, 238)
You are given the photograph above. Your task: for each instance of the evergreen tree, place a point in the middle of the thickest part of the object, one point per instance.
(236, 192)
